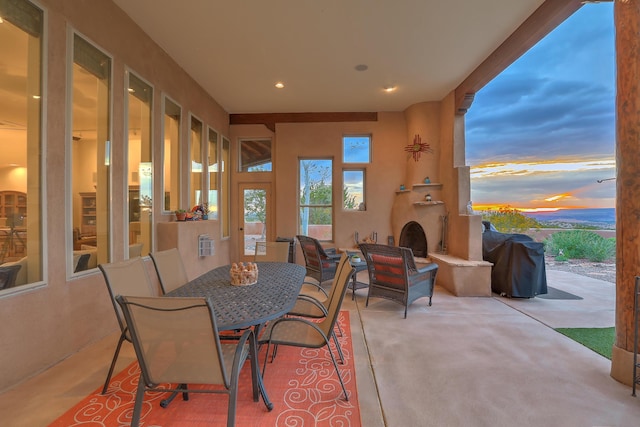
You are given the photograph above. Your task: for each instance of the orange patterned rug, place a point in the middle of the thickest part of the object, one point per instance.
(301, 383)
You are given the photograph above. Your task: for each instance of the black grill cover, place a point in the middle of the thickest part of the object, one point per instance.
(518, 264)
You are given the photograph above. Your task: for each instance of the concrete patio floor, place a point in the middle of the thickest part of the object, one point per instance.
(461, 362)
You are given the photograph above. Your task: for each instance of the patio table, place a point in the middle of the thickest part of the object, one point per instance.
(239, 307)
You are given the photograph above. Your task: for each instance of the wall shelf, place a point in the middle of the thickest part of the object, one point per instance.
(431, 203)
(403, 191)
(431, 184)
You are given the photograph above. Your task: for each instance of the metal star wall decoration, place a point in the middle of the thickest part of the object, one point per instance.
(418, 147)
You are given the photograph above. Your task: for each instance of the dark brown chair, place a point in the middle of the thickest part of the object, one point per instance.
(393, 274)
(8, 276)
(321, 264)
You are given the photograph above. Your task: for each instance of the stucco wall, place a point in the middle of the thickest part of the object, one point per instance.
(44, 324)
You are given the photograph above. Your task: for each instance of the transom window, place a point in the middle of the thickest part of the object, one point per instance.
(356, 149)
(255, 155)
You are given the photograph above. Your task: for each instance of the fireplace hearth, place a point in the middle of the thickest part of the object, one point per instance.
(413, 237)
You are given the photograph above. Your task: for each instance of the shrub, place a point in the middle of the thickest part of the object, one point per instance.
(579, 244)
(509, 220)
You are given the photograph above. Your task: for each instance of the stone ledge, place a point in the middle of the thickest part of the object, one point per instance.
(461, 277)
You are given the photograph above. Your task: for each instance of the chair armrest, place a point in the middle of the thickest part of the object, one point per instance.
(425, 268)
(308, 299)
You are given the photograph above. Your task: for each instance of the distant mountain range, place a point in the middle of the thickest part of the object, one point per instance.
(600, 217)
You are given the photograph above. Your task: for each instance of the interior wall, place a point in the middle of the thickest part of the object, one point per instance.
(46, 322)
(383, 176)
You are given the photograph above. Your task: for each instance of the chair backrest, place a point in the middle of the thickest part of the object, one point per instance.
(272, 251)
(8, 275)
(388, 265)
(175, 339)
(314, 254)
(344, 271)
(170, 269)
(128, 277)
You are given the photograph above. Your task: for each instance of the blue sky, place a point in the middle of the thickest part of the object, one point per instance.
(542, 133)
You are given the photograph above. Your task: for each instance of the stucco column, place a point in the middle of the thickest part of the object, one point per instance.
(627, 22)
(423, 119)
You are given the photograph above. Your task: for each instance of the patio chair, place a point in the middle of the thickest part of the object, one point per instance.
(170, 269)
(176, 343)
(8, 275)
(83, 263)
(320, 263)
(301, 332)
(272, 251)
(127, 277)
(393, 275)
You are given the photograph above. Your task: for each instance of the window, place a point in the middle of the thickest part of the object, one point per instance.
(225, 187)
(140, 164)
(171, 154)
(255, 155)
(20, 140)
(316, 198)
(195, 137)
(356, 149)
(212, 164)
(353, 190)
(90, 153)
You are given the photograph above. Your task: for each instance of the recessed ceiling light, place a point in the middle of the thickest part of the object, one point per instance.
(389, 88)
(361, 67)
(279, 85)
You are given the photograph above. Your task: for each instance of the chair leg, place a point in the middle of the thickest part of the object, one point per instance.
(335, 365)
(137, 407)
(113, 362)
(338, 348)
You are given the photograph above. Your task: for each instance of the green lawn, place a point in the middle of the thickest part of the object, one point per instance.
(599, 340)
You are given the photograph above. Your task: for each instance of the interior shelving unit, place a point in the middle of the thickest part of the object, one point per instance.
(88, 223)
(12, 203)
(636, 316)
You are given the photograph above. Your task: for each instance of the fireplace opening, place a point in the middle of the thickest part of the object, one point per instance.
(412, 236)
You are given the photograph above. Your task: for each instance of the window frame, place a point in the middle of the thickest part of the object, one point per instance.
(40, 198)
(330, 206)
(364, 189)
(128, 72)
(70, 60)
(370, 149)
(161, 165)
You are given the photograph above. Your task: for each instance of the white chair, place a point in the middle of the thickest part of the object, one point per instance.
(127, 277)
(272, 251)
(170, 269)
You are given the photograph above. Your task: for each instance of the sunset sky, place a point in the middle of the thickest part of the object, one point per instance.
(542, 133)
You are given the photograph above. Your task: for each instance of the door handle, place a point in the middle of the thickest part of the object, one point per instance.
(241, 229)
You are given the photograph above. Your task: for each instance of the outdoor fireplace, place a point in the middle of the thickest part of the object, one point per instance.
(412, 236)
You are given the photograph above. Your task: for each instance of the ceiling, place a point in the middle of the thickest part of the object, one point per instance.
(238, 50)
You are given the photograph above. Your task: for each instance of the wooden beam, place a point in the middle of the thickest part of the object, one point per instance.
(270, 119)
(541, 22)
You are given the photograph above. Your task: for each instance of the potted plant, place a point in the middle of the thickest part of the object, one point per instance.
(181, 214)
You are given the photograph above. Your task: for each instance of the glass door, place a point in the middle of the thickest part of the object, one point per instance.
(255, 218)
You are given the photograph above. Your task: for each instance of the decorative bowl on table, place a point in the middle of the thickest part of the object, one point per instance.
(243, 274)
